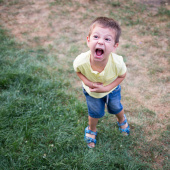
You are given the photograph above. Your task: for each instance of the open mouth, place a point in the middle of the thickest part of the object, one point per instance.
(99, 52)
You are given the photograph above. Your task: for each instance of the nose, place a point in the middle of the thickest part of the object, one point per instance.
(100, 41)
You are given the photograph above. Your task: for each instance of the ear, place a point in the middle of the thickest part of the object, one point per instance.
(115, 47)
(88, 40)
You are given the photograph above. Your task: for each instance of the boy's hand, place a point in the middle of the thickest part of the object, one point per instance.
(98, 88)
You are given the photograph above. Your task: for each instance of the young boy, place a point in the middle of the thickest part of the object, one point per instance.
(101, 72)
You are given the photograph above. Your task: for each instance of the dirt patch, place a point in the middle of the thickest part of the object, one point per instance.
(36, 23)
(154, 5)
(26, 21)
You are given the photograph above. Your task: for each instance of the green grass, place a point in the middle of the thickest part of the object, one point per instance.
(163, 11)
(42, 124)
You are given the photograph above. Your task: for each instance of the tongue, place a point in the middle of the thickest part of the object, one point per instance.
(99, 52)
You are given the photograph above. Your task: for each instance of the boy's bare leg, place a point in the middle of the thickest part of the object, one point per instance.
(92, 126)
(120, 117)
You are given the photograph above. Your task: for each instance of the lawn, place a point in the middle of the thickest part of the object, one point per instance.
(43, 111)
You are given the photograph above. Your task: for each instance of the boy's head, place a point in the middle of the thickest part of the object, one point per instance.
(103, 38)
(106, 23)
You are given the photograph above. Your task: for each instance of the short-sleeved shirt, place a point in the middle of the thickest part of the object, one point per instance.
(115, 67)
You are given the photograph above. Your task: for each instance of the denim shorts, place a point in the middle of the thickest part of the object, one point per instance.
(96, 106)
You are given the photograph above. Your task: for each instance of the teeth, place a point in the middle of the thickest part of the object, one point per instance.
(99, 52)
(99, 49)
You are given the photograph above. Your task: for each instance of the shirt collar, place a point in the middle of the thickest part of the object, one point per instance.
(96, 72)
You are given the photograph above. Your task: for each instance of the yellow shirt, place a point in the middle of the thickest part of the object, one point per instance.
(115, 67)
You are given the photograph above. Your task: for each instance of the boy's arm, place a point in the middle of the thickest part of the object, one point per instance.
(85, 80)
(99, 88)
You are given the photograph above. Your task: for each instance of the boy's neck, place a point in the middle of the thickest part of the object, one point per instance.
(98, 65)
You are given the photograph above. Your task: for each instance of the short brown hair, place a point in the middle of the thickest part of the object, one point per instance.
(107, 23)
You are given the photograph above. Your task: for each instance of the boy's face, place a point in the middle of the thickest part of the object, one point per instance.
(101, 43)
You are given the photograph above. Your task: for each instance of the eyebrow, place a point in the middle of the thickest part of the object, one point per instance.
(105, 35)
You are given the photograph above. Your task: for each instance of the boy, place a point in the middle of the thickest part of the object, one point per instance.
(101, 72)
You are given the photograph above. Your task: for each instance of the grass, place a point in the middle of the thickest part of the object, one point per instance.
(43, 112)
(42, 126)
(164, 11)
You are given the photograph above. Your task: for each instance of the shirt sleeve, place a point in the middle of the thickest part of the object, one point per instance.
(121, 66)
(123, 69)
(76, 65)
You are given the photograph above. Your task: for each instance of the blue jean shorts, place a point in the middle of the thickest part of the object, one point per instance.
(96, 106)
